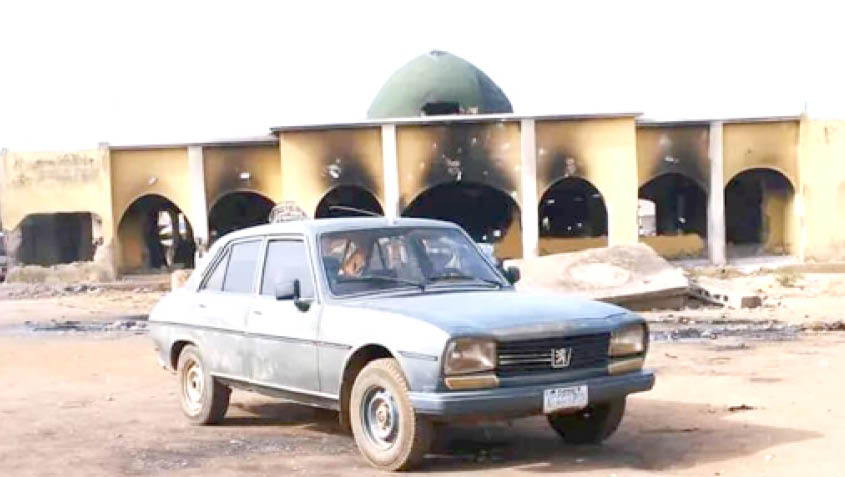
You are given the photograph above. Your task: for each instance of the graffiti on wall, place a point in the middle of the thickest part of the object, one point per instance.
(72, 167)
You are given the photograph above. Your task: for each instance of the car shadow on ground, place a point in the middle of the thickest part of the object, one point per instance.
(282, 414)
(655, 435)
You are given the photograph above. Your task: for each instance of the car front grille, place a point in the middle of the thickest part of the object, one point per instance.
(536, 356)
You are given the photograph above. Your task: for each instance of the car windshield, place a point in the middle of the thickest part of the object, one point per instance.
(373, 260)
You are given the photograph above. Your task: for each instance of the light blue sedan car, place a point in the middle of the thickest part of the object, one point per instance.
(397, 324)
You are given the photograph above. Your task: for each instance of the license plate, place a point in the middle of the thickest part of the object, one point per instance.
(571, 398)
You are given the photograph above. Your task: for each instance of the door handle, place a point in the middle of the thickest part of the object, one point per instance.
(202, 305)
(257, 312)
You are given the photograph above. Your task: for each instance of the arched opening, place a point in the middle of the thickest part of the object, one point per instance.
(679, 224)
(237, 210)
(154, 234)
(572, 217)
(343, 201)
(55, 238)
(759, 214)
(486, 213)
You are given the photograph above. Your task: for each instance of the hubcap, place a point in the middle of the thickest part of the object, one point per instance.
(192, 387)
(379, 416)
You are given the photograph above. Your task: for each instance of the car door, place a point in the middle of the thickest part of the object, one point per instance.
(282, 337)
(222, 303)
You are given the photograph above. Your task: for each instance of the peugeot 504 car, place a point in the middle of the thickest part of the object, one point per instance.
(397, 324)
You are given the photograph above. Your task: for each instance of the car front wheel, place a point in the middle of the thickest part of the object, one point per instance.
(591, 425)
(388, 431)
(204, 400)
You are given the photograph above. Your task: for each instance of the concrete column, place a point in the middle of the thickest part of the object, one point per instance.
(199, 202)
(390, 166)
(530, 201)
(716, 198)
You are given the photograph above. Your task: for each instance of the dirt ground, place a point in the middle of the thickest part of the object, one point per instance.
(80, 404)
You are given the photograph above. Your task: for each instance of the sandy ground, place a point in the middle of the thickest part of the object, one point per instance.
(82, 407)
(97, 304)
(85, 405)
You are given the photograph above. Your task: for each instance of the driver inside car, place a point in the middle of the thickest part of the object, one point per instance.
(354, 264)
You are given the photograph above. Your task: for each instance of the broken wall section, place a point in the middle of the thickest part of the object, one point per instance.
(55, 207)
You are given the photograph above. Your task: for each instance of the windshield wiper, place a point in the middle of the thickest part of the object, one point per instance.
(457, 276)
(402, 281)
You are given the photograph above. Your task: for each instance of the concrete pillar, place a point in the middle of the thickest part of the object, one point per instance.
(716, 198)
(199, 202)
(390, 167)
(530, 201)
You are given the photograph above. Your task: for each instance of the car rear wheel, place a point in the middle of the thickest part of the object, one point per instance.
(204, 400)
(591, 425)
(387, 429)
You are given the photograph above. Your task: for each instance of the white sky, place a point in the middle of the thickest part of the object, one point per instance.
(73, 74)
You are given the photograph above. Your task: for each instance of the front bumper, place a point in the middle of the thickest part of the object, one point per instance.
(524, 400)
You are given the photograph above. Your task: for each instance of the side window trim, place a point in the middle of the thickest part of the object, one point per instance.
(262, 244)
(209, 270)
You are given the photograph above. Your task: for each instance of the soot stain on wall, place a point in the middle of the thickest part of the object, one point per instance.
(681, 150)
(471, 153)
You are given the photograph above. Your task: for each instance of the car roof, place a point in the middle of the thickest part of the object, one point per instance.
(317, 226)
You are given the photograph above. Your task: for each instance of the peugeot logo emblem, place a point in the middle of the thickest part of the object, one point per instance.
(561, 357)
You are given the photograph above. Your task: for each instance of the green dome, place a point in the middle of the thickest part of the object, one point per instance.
(438, 83)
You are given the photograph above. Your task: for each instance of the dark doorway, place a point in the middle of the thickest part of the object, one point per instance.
(681, 204)
(486, 213)
(51, 239)
(343, 201)
(571, 208)
(154, 234)
(758, 212)
(238, 210)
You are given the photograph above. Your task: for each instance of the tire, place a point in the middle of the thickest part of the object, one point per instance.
(591, 425)
(388, 431)
(204, 400)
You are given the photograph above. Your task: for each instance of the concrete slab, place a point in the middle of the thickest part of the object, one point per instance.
(634, 276)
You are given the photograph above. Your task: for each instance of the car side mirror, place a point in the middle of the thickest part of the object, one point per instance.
(287, 290)
(290, 290)
(513, 274)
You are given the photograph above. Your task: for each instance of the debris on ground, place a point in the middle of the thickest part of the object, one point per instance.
(741, 407)
(723, 293)
(634, 276)
(130, 325)
(76, 272)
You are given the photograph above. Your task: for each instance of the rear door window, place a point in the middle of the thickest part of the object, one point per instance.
(214, 282)
(240, 273)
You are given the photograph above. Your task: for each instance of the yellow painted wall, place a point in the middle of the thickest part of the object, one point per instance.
(604, 153)
(772, 145)
(551, 245)
(768, 145)
(676, 246)
(822, 186)
(136, 173)
(224, 166)
(315, 162)
(50, 182)
(484, 153)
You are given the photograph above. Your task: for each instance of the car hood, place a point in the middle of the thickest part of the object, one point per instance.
(504, 313)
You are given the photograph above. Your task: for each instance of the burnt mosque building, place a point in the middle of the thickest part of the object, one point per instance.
(441, 140)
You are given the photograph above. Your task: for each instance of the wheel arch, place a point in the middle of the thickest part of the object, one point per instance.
(176, 350)
(356, 361)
